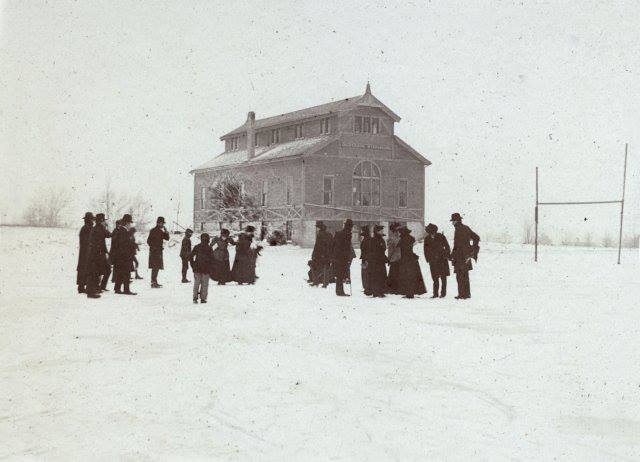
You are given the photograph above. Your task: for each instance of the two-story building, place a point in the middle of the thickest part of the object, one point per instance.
(330, 162)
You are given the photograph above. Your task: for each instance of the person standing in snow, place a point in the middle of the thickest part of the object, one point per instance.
(244, 264)
(437, 253)
(201, 258)
(343, 254)
(83, 252)
(221, 269)
(465, 248)
(365, 234)
(155, 240)
(136, 248)
(321, 257)
(410, 276)
(376, 261)
(122, 254)
(185, 251)
(97, 256)
(393, 253)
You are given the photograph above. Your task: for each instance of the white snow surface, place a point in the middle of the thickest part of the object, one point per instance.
(542, 363)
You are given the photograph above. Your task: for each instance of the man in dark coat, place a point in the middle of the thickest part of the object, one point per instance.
(343, 254)
(437, 253)
(393, 252)
(376, 260)
(465, 248)
(201, 259)
(321, 256)
(185, 251)
(97, 256)
(365, 234)
(123, 252)
(156, 236)
(83, 253)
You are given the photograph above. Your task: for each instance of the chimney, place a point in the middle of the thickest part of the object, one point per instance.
(251, 130)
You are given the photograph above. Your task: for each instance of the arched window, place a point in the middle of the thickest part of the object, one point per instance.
(366, 184)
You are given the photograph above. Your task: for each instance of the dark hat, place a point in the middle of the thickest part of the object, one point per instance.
(455, 217)
(126, 218)
(99, 216)
(320, 225)
(348, 223)
(132, 230)
(250, 229)
(188, 231)
(394, 226)
(404, 230)
(204, 237)
(224, 232)
(89, 216)
(431, 228)
(364, 231)
(160, 220)
(377, 228)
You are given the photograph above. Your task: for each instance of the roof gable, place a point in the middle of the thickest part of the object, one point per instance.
(411, 151)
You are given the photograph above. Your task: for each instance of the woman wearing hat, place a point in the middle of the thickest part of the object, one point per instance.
(410, 277)
(393, 252)
(221, 269)
(244, 264)
(376, 259)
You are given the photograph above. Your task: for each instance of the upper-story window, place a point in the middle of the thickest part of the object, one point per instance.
(255, 139)
(366, 124)
(275, 136)
(265, 191)
(203, 197)
(298, 130)
(403, 192)
(232, 144)
(325, 128)
(366, 184)
(327, 190)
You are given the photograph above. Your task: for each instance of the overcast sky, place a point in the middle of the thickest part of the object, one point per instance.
(139, 92)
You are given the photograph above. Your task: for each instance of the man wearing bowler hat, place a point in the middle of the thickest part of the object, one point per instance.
(97, 257)
(123, 252)
(155, 240)
(343, 254)
(465, 248)
(185, 251)
(437, 253)
(83, 253)
(376, 261)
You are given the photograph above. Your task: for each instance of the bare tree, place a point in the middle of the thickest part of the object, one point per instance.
(607, 241)
(527, 232)
(114, 204)
(228, 195)
(48, 208)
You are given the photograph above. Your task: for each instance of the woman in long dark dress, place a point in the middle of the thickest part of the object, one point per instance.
(244, 264)
(364, 251)
(410, 277)
(221, 270)
(376, 260)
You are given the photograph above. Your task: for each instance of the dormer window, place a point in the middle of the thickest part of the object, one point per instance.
(232, 144)
(365, 124)
(298, 130)
(324, 126)
(275, 136)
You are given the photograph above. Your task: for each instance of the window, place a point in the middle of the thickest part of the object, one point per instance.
(289, 186)
(327, 190)
(265, 190)
(203, 196)
(375, 125)
(255, 139)
(298, 130)
(232, 144)
(364, 124)
(275, 136)
(202, 226)
(324, 126)
(403, 192)
(366, 184)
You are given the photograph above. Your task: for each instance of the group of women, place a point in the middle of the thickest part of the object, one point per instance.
(404, 276)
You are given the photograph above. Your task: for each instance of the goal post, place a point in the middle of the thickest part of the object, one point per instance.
(620, 201)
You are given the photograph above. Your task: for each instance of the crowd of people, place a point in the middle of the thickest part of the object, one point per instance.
(332, 257)
(330, 262)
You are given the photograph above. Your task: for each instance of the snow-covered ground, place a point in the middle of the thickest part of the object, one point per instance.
(542, 363)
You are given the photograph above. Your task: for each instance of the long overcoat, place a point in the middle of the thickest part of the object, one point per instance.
(155, 240)
(97, 255)
(123, 250)
(83, 253)
(410, 277)
(376, 269)
(437, 253)
(342, 253)
(465, 247)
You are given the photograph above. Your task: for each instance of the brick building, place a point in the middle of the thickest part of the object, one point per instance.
(330, 162)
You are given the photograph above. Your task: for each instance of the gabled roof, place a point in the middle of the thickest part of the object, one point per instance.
(266, 153)
(412, 151)
(343, 105)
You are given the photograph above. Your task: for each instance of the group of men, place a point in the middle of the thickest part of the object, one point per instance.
(332, 257)
(95, 259)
